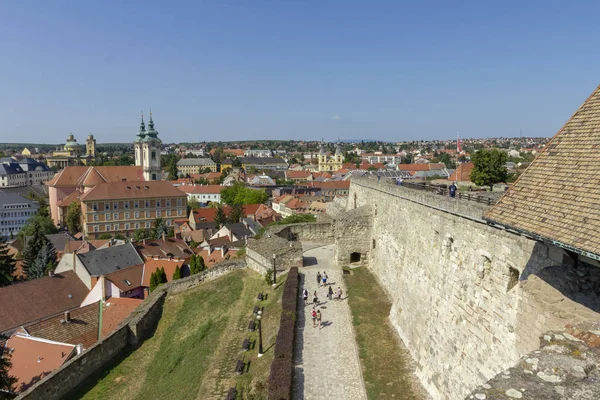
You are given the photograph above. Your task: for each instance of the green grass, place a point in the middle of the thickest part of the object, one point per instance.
(382, 358)
(197, 343)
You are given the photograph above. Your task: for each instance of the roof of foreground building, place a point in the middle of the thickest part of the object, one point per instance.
(558, 197)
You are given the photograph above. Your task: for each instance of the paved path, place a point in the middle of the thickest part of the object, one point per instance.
(326, 365)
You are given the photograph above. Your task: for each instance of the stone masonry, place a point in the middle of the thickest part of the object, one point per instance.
(467, 301)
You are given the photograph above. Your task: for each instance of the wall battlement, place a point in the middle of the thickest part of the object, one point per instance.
(466, 297)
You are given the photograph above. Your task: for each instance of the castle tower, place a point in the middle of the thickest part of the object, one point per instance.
(151, 153)
(90, 146)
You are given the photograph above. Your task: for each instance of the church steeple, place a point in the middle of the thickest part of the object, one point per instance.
(151, 133)
(142, 132)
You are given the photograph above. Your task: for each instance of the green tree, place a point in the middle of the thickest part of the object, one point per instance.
(162, 276)
(445, 158)
(154, 281)
(193, 204)
(73, 218)
(237, 213)
(7, 265)
(6, 380)
(140, 234)
(489, 167)
(36, 223)
(194, 265)
(177, 273)
(240, 193)
(201, 264)
(220, 216)
(173, 172)
(104, 236)
(39, 256)
(159, 228)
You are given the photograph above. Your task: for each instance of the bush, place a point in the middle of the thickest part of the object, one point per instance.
(284, 344)
(280, 379)
(269, 277)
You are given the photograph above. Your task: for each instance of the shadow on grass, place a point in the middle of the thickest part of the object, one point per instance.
(90, 382)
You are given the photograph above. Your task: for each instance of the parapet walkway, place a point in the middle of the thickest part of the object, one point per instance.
(326, 364)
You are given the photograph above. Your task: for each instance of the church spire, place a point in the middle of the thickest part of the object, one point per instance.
(142, 131)
(150, 122)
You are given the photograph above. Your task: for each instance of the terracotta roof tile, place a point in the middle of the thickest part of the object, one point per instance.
(151, 266)
(82, 328)
(26, 302)
(558, 195)
(462, 173)
(132, 190)
(133, 275)
(115, 310)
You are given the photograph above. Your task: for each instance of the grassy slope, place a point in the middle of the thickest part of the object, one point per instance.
(382, 358)
(196, 345)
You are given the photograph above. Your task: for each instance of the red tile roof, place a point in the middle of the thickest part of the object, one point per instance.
(91, 176)
(34, 358)
(201, 189)
(132, 190)
(421, 167)
(169, 247)
(151, 266)
(297, 174)
(114, 311)
(462, 173)
(26, 302)
(132, 274)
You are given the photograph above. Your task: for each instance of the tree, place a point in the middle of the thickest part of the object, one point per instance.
(162, 276)
(159, 228)
(104, 236)
(237, 213)
(193, 204)
(173, 172)
(489, 167)
(445, 158)
(7, 266)
(141, 234)
(240, 193)
(6, 381)
(220, 216)
(177, 273)
(201, 265)
(38, 222)
(154, 281)
(194, 265)
(73, 218)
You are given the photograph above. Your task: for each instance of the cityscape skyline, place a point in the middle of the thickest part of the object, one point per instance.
(390, 71)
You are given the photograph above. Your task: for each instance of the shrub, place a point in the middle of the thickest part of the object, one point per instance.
(284, 344)
(269, 277)
(280, 379)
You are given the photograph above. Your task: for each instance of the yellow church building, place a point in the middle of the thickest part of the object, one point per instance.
(72, 153)
(330, 163)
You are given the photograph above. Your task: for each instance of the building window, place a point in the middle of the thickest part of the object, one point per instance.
(157, 203)
(168, 213)
(126, 227)
(108, 228)
(158, 214)
(95, 207)
(147, 214)
(95, 217)
(154, 155)
(147, 203)
(115, 216)
(167, 203)
(179, 202)
(137, 225)
(126, 204)
(136, 214)
(107, 205)
(107, 217)
(115, 205)
(147, 224)
(136, 204)
(179, 213)
(96, 228)
(126, 215)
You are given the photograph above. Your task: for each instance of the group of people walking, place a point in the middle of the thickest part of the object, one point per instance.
(316, 312)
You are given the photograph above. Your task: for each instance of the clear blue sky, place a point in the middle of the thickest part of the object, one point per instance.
(279, 69)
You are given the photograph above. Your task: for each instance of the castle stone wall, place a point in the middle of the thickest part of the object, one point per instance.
(459, 303)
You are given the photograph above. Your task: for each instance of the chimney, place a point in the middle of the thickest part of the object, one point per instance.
(144, 241)
(223, 251)
(67, 316)
(163, 237)
(74, 259)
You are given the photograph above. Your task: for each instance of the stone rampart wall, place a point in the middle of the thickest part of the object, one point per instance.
(132, 331)
(307, 232)
(458, 301)
(259, 254)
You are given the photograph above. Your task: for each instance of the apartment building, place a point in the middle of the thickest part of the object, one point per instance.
(124, 207)
(15, 210)
(204, 194)
(189, 166)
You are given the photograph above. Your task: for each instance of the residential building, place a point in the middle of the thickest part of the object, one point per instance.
(258, 163)
(169, 266)
(238, 231)
(72, 153)
(25, 172)
(70, 183)
(260, 180)
(189, 166)
(30, 301)
(165, 248)
(147, 150)
(91, 265)
(330, 163)
(15, 210)
(287, 205)
(203, 218)
(203, 194)
(12, 175)
(120, 284)
(382, 158)
(299, 176)
(462, 174)
(125, 207)
(258, 153)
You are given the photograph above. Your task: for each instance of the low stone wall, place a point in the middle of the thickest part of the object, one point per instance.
(307, 232)
(131, 332)
(259, 254)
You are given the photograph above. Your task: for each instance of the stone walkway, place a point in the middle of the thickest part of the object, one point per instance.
(326, 364)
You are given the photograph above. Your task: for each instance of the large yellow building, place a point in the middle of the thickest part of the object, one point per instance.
(330, 163)
(72, 153)
(124, 207)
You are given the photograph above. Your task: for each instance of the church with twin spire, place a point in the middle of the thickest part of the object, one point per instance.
(147, 150)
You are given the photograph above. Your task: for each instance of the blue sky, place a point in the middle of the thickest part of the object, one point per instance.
(278, 69)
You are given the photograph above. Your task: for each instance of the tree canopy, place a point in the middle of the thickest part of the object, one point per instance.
(489, 167)
(7, 264)
(240, 193)
(39, 255)
(73, 218)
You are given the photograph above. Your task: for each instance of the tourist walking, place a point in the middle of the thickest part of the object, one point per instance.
(315, 298)
(319, 316)
(325, 277)
(339, 293)
(305, 296)
(314, 317)
(452, 190)
(318, 279)
(330, 293)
